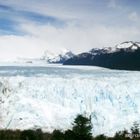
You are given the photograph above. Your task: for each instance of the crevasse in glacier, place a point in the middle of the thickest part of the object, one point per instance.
(51, 97)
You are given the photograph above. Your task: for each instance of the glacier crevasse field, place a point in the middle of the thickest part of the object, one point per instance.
(50, 97)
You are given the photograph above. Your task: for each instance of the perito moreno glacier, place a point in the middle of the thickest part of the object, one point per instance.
(50, 97)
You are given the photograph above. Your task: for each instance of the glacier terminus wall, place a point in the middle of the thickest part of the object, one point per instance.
(50, 97)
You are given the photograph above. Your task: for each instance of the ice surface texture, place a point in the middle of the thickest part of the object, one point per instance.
(51, 97)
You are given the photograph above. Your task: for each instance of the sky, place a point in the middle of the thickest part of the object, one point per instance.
(30, 27)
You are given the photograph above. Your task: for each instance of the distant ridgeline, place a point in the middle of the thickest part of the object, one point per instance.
(125, 56)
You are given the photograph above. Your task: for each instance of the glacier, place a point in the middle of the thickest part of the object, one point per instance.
(49, 97)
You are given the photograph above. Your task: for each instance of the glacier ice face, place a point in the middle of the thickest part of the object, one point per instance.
(51, 97)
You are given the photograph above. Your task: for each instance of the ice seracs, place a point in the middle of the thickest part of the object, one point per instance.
(51, 97)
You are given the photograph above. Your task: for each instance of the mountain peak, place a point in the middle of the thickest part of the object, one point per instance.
(62, 56)
(128, 45)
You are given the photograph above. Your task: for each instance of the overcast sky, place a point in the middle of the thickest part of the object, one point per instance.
(29, 27)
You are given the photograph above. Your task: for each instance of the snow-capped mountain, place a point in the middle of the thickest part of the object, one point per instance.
(123, 56)
(130, 45)
(126, 46)
(51, 97)
(49, 57)
(57, 58)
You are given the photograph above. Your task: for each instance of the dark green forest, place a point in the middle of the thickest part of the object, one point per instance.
(81, 130)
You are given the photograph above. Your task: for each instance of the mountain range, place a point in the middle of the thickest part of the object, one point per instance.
(125, 56)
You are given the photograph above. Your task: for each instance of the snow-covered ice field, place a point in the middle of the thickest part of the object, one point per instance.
(50, 97)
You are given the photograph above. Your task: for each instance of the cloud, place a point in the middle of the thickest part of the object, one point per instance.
(133, 16)
(33, 26)
(112, 4)
(13, 47)
(5, 7)
(60, 9)
(48, 37)
(63, 9)
(29, 14)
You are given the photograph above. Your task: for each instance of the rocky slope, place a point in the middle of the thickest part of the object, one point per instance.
(124, 56)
